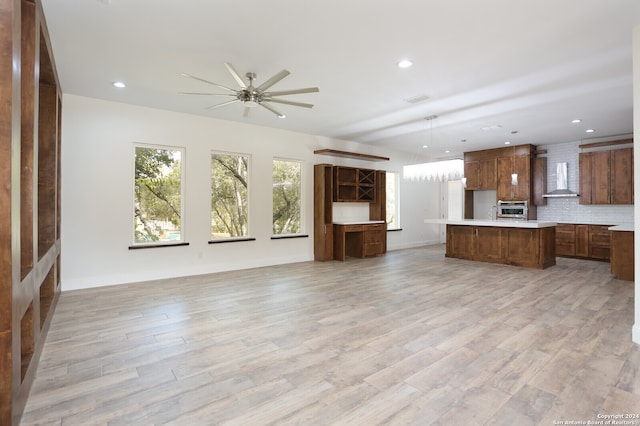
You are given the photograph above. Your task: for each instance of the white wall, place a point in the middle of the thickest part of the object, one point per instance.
(97, 193)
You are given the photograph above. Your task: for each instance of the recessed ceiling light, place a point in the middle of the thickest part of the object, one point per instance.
(577, 120)
(590, 130)
(507, 143)
(282, 116)
(447, 151)
(119, 84)
(425, 146)
(405, 63)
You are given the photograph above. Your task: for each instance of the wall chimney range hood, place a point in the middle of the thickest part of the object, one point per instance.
(561, 184)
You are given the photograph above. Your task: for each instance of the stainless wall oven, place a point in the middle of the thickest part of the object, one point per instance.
(514, 210)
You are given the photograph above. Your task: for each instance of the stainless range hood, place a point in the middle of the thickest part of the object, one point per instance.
(561, 184)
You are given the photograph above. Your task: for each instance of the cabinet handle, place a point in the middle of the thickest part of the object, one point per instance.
(476, 232)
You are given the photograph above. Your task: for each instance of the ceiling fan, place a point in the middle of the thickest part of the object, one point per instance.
(252, 96)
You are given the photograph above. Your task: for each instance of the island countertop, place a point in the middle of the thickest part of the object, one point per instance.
(496, 223)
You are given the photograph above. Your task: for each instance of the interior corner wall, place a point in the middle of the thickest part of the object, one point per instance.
(636, 179)
(97, 193)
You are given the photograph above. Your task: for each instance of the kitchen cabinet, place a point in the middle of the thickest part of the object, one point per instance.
(323, 212)
(583, 241)
(480, 174)
(622, 255)
(539, 180)
(606, 177)
(359, 240)
(507, 166)
(526, 247)
(354, 184)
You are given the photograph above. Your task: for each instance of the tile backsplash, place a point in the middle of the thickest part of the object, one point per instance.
(570, 209)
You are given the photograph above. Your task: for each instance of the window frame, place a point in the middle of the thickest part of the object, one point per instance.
(154, 244)
(249, 186)
(302, 231)
(396, 183)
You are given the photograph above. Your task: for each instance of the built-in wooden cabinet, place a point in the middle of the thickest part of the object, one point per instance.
(348, 184)
(516, 166)
(606, 177)
(352, 184)
(583, 241)
(539, 180)
(323, 212)
(30, 153)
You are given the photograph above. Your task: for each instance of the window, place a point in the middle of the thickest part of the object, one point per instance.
(393, 204)
(158, 194)
(229, 195)
(286, 197)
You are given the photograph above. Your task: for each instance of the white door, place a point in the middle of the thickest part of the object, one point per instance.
(452, 205)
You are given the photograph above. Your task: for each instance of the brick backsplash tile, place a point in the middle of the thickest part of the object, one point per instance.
(570, 209)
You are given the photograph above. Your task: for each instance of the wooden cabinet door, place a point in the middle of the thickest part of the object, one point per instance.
(582, 240)
(622, 176)
(504, 169)
(323, 212)
(522, 167)
(600, 177)
(460, 240)
(539, 184)
(584, 166)
(522, 245)
(488, 174)
(488, 242)
(472, 173)
(565, 239)
(599, 242)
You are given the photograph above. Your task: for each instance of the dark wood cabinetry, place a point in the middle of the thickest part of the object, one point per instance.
(584, 241)
(348, 184)
(323, 212)
(527, 247)
(508, 168)
(353, 184)
(606, 177)
(622, 255)
(480, 174)
(30, 199)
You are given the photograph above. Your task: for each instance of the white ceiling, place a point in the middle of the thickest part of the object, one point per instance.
(504, 65)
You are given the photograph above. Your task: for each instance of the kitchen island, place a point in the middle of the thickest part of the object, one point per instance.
(528, 243)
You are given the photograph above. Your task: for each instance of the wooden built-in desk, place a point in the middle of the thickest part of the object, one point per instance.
(359, 239)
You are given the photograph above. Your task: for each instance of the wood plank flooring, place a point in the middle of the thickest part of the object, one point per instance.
(409, 338)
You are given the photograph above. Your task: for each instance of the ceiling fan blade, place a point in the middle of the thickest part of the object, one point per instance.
(235, 75)
(272, 109)
(222, 104)
(282, 101)
(184, 74)
(204, 93)
(293, 92)
(273, 80)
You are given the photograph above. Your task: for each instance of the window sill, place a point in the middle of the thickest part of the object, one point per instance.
(231, 240)
(159, 245)
(284, 237)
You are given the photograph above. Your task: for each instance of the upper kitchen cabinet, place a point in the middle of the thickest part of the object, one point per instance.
(514, 174)
(480, 172)
(354, 185)
(606, 177)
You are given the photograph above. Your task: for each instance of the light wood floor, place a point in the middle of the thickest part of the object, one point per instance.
(406, 338)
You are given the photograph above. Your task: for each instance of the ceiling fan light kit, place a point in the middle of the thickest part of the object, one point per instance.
(251, 96)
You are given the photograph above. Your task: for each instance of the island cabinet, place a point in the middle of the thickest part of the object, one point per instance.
(527, 247)
(606, 177)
